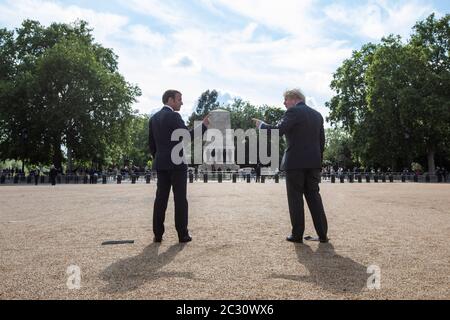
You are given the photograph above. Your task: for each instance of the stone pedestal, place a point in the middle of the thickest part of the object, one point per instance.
(221, 120)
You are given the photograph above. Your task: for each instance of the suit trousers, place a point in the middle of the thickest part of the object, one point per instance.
(305, 182)
(166, 181)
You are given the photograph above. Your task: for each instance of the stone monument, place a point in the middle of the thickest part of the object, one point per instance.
(220, 120)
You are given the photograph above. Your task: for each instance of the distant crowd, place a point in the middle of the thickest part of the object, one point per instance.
(115, 171)
(330, 170)
(128, 171)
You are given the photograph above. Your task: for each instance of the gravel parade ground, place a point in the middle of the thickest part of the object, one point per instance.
(239, 249)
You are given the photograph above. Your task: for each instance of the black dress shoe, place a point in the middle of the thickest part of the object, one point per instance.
(324, 240)
(294, 239)
(157, 240)
(185, 239)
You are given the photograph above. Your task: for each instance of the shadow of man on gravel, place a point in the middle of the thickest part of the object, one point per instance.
(129, 274)
(327, 269)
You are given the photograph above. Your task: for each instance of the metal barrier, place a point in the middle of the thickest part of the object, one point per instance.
(220, 177)
(385, 178)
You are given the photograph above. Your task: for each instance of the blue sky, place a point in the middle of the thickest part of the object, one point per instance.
(254, 49)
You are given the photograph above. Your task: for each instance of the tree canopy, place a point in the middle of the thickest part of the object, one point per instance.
(61, 91)
(393, 97)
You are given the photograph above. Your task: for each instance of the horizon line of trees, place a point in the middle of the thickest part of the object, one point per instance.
(62, 98)
(392, 102)
(64, 102)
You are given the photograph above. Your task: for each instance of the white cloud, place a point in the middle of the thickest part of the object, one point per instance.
(143, 36)
(183, 62)
(164, 11)
(211, 6)
(246, 61)
(225, 97)
(248, 32)
(288, 15)
(13, 12)
(379, 18)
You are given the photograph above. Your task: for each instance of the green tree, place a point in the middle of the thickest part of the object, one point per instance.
(67, 94)
(338, 148)
(348, 108)
(393, 98)
(242, 113)
(206, 103)
(397, 82)
(137, 150)
(432, 38)
(274, 115)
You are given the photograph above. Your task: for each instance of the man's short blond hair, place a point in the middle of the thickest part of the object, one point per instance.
(295, 94)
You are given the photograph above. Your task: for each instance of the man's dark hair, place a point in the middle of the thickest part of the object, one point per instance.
(169, 94)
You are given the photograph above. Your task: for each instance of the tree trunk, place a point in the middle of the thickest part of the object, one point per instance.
(57, 155)
(431, 163)
(69, 159)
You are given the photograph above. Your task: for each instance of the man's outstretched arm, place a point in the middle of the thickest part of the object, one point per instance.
(289, 120)
(179, 124)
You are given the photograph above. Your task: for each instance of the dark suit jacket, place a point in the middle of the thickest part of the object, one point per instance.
(161, 127)
(305, 134)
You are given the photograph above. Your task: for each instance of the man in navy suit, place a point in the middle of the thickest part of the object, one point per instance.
(305, 134)
(170, 175)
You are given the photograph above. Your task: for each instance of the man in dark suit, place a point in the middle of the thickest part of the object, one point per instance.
(170, 175)
(304, 131)
(53, 174)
